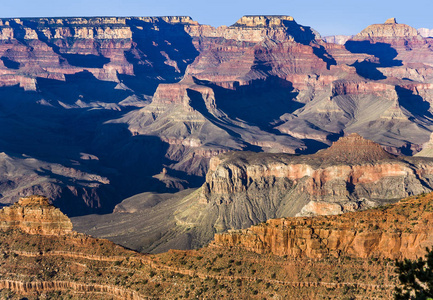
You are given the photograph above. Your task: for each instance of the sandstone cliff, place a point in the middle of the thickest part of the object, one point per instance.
(245, 188)
(390, 29)
(35, 215)
(187, 92)
(73, 265)
(351, 173)
(396, 231)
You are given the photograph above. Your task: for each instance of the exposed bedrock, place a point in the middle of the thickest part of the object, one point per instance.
(245, 188)
(401, 230)
(142, 104)
(35, 215)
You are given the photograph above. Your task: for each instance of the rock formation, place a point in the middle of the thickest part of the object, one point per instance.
(36, 265)
(246, 188)
(425, 32)
(396, 231)
(427, 149)
(351, 174)
(186, 92)
(389, 29)
(35, 215)
(337, 39)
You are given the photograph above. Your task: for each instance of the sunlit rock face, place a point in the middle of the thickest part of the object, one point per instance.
(96, 108)
(353, 173)
(383, 232)
(35, 215)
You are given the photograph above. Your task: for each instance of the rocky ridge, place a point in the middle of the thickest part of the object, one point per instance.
(344, 255)
(246, 188)
(396, 231)
(351, 171)
(36, 264)
(349, 254)
(187, 92)
(35, 215)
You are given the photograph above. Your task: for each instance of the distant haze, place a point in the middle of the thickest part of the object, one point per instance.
(330, 17)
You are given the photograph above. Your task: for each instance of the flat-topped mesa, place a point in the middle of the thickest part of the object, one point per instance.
(354, 149)
(390, 29)
(263, 21)
(258, 28)
(96, 21)
(391, 21)
(35, 215)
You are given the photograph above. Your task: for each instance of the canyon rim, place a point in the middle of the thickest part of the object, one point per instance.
(254, 142)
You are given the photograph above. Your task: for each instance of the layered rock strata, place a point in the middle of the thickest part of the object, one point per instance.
(77, 266)
(397, 231)
(35, 215)
(246, 188)
(242, 189)
(187, 92)
(352, 173)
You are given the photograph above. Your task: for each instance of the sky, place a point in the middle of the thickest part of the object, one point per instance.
(328, 17)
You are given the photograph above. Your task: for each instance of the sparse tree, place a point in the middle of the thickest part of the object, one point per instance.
(416, 278)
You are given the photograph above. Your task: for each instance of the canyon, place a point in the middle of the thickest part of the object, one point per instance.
(275, 161)
(247, 188)
(101, 109)
(313, 257)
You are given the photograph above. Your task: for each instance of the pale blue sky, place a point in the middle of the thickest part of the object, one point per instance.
(326, 16)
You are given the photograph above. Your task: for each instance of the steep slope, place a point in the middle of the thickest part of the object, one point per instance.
(66, 264)
(388, 99)
(245, 188)
(61, 80)
(144, 103)
(396, 231)
(241, 264)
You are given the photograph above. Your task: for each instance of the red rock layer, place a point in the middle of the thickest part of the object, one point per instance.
(401, 230)
(35, 215)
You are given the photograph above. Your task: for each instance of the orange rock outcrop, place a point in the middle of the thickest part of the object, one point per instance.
(35, 215)
(401, 230)
(352, 168)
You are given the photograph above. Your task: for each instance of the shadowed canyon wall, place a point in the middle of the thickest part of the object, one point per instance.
(101, 109)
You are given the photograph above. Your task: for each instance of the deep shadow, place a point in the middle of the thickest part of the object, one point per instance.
(152, 41)
(86, 60)
(82, 86)
(56, 135)
(384, 52)
(259, 103)
(135, 158)
(312, 146)
(321, 53)
(82, 199)
(10, 64)
(19, 31)
(406, 149)
(415, 104)
(368, 70)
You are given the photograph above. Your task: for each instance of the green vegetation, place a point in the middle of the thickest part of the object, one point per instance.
(416, 278)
